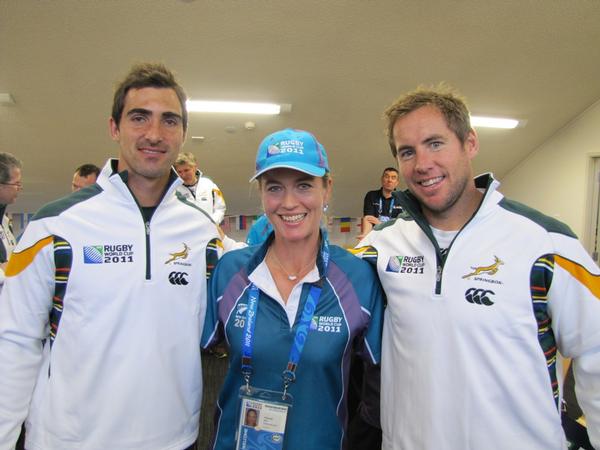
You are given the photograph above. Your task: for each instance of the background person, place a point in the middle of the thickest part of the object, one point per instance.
(101, 311)
(84, 175)
(481, 293)
(379, 205)
(259, 231)
(10, 186)
(295, 284)
(199, 189)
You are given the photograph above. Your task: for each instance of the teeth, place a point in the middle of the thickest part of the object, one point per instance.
(431, 181)
(291, 219)
(149, 150)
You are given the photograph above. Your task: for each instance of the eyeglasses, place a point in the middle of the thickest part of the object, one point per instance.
(18, 185)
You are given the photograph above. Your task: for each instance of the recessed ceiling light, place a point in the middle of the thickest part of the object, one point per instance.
(493, 122)
(6, 99)
(235, 107)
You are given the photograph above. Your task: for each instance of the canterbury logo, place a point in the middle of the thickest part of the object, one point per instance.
(479, 296)
(183, 254)
(490, 270)
(178, 278)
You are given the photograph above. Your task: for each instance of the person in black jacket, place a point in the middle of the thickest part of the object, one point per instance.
(379, 205)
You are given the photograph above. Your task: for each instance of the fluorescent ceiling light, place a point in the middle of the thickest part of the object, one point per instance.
(233, 107)
(493, 122)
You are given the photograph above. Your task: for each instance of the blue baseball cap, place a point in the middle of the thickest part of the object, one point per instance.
(291, 149)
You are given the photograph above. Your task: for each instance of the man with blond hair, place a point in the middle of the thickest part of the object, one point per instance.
(482, 292)
(199, 189)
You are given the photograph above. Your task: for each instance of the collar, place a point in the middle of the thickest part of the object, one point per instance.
(198, 176)
(486, 183)
(259, 256)
(110, 176)
(382, 195)
(262, 279)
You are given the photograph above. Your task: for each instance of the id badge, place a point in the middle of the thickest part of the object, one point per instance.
(262, 418)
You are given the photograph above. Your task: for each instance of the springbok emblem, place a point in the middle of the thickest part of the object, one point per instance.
(490, 270)
(183, 254)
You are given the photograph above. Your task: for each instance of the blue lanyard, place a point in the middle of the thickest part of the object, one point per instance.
(314, 295)
(391, 206)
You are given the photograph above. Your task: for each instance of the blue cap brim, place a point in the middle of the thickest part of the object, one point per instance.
(309, 169)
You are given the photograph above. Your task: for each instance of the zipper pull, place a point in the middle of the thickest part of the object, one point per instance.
(438, 275)
(147, 224)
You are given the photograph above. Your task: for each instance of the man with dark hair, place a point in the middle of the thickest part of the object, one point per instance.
(482, 293)
(148, 75)
(105, 295)
(85, 175)
(10, 186)
(379, 205)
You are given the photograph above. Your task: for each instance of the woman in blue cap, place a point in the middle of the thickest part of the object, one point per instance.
(292, 311)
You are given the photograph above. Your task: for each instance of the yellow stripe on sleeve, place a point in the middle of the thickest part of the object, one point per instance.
(19, 261)
(358, 251)
(581, 274)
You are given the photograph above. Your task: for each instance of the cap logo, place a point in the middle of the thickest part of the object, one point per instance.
(294, 149)
(289, 146)
(273, 150)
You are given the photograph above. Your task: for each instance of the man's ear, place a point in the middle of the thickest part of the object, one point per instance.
(471, 144)
(113, 129)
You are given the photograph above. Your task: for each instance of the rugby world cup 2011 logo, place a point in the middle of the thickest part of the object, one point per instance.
(108, 254)
(406, 264)
(93, 254)
(394, 264)
(273, 150)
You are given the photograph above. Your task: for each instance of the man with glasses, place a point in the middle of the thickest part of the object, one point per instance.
(10, 185)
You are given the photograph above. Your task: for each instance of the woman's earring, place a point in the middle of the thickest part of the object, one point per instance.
(325, 207)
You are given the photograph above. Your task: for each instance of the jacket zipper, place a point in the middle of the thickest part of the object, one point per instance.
(148, 259)
(440, 261)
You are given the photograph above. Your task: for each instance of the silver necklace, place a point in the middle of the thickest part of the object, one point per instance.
(290, 276)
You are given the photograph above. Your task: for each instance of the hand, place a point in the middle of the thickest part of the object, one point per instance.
(367, 225)
(372, 220)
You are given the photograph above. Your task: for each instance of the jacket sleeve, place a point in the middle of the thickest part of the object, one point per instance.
(211, 334)
(574, 301)
(219, 206)
(374, 308)
(25, 305)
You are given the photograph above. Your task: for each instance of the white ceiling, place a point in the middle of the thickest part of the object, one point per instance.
(339, 63)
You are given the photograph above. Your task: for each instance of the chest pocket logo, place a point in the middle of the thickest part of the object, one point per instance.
(183, 254)
(489, 270)
(178, 278)
(479, 296)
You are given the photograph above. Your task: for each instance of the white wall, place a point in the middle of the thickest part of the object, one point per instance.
(554, 178)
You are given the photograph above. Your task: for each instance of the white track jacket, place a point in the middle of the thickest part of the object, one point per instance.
(100, 322)
(470, 340)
